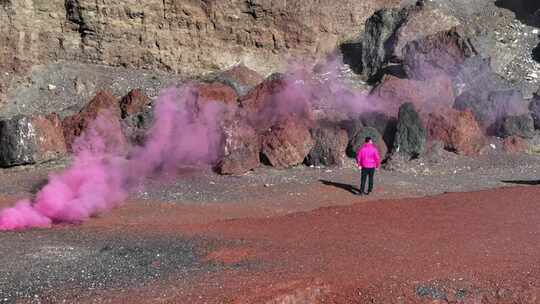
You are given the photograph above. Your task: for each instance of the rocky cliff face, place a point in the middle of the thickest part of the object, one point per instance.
(181, 36)
(197, 35)
(435, 55)
(56, 54)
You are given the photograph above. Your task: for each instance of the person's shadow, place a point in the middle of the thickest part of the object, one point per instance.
(522, 182)
(346, 187)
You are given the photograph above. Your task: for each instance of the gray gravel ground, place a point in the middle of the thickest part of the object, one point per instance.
(63, 263)
(421, 178)
(50, 266)
(65, 87)
(449, 173)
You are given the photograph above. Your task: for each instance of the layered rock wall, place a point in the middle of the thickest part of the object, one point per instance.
(183, 36)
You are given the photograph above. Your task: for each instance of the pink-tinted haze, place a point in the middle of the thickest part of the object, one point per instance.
(186, 133)
(101, 176)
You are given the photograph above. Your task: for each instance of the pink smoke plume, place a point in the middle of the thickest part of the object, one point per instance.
(186, 133)
(323, 91)
(103, 172)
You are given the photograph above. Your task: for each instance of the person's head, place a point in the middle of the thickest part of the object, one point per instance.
(368, 140)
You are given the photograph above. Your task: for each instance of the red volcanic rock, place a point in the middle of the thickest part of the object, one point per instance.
(263, 94)
(276, 100)
(103, 104)
(215, 91)
(241, 78)
(515, 144)
(425, 95)
(134, 102)
(458, 130)
(241, 148)
(287, 144)
(439, 54)
(50, 136)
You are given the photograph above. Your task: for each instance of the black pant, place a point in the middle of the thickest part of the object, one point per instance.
(367, 172)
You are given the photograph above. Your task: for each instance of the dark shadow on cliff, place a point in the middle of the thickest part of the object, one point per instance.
(526, 10)
(536, 53)
(352, 55)
(522, 182)
(342, 186)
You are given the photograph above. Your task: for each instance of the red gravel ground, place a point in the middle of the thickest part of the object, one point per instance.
(480, 247)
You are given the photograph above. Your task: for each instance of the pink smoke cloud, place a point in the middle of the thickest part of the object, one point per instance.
(185, 133)
(103, 174)
(324, 90)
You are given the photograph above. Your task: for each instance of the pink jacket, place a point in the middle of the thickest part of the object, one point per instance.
(368, 156)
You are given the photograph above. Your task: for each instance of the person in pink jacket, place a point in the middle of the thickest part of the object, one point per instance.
(367, 159)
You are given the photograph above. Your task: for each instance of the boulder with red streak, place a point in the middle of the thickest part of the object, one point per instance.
(241, 78)
(274, 100)
(439, 54)
(134, 102)
(103, 105)
(427, 95)
(264, 93)
(241, 148)
(50, 136)
(286, 144)
(457, 130)
(216, 92)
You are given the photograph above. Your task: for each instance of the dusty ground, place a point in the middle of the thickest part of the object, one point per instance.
(296, 236)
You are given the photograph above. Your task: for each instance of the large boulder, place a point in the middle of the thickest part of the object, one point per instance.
(490, 107)
(352, 127)
(439, 54)
(411, 135)
(359, 139)
(330, 145)
(134, 102)
(457, 130)
(104, 104)
(50, 137)
(427, 95)
(378, 41)
(30, 139)
(276, 99)
(241, 148)
(421, 23)
(241, 78)
(476, 76)
(390, 29)
(286, 144)
(385, 124)
(518, 125)
(136, 125)
(264, 94)
(215, 92)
